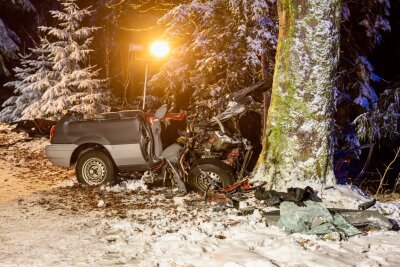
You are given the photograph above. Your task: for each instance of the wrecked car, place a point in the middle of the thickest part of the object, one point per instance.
(229, 139)
(214, 149)
(212, 153)
(108, 144)
(117, 142)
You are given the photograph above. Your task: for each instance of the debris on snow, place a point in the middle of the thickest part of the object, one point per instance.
(101, 204)
(129, 224)
(130, 185)
(68, 183)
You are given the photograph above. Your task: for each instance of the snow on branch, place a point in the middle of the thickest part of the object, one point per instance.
(219, 46)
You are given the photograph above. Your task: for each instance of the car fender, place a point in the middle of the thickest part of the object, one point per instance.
(92, 140)
(85, 147)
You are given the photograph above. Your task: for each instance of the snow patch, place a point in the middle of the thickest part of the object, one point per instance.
(68, 183)
(202, 237)
(130, 185)
(101, 203)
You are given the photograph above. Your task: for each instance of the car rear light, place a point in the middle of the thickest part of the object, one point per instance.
(53, 129)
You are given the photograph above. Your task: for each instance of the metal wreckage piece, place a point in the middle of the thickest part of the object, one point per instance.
(316, 218)
(302, 211)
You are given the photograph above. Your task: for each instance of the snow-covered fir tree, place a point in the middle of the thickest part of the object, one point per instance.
(76, 87)
(9, 40)
(33, 77)
(70, 83)
(218, 46)
(217, 50)
(364, 24)
(8, 47)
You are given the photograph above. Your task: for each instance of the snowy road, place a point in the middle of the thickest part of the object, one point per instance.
(29, 236)
(15, 184)
(45, 220)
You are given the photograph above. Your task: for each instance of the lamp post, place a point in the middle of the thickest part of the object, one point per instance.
(145, 85)
(158, 49)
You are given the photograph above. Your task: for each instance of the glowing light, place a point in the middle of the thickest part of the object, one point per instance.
(159, 49)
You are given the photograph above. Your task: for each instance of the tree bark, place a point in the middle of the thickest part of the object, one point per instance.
(297, 143)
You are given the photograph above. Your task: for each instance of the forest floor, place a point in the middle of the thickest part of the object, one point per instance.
(46, 219)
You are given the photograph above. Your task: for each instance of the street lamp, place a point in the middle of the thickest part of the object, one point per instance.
(158, 49)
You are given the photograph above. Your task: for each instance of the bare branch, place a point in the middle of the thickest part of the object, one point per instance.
(386, 171)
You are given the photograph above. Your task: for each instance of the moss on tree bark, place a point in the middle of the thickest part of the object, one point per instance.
(297, 145)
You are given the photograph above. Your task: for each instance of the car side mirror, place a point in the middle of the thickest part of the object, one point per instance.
(161, 112)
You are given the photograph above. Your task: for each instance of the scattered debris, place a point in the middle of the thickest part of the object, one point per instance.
(367, 205)
(296, 195)
(313, 218)
(35, 127)
(366, 219)
(301, 210)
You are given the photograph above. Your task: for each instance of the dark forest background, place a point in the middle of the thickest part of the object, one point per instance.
(128, 21)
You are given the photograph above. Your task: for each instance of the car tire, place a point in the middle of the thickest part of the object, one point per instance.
(222, 175)
(94, 168)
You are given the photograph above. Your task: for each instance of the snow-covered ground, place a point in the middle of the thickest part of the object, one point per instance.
(53, 222)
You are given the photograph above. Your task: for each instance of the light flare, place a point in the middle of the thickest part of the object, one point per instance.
(159, 49)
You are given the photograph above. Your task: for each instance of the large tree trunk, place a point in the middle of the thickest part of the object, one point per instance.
(297, 144)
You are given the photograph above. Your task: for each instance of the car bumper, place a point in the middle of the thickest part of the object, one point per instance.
(60, 154)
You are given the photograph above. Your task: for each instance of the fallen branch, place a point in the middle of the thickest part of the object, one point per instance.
(388, 167)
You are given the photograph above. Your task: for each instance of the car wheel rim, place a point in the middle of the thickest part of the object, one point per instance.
(209, 180)
(94, 171)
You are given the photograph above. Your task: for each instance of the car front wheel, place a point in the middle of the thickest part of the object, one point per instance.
(210, 174)
(95, 168)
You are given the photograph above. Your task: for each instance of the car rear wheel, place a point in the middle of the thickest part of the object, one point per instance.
(95, 168)
(210, 174)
